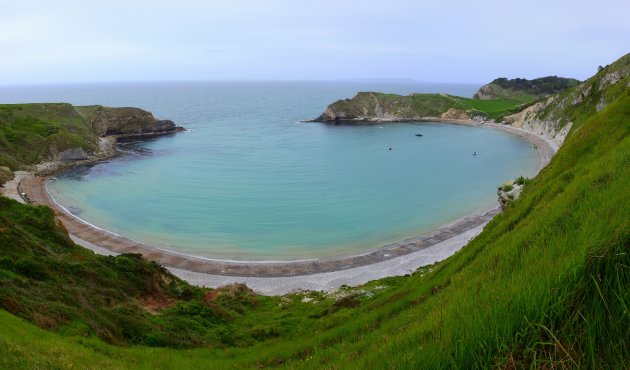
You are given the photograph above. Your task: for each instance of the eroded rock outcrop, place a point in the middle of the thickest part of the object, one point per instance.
(107, 121)
(554, 116)
(508, 193)
(379, 107)
(73, 154)
(455, 114)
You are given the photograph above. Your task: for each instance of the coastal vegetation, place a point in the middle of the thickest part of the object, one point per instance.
(34, 133)
(30, 133)
(567, 111)
(493, 101)
(546, 284)
(381, 107)
(523, 89)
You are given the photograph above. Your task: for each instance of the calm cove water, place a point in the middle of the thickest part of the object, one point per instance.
(251, 182)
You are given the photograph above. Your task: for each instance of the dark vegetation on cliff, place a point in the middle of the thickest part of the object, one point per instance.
(545, 285)
(524, 89)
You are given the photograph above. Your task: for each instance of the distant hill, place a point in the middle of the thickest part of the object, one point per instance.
(493, 101)
(524, 89)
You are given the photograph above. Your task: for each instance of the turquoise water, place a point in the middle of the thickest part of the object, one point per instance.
(251, 182)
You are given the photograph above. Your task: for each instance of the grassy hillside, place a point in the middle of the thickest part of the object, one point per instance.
(375, 105)
(30, 133)
(494, 108)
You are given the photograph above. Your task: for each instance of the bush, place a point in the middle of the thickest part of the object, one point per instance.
(521, 180)
(5, 175)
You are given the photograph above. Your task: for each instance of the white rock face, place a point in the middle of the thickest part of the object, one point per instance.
(529, 120)
(74, 154)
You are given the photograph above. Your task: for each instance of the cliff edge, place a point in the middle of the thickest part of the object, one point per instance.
(553, 117)
(106, 121)
(31, 134)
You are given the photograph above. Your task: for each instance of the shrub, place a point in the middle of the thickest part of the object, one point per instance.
(521, 180)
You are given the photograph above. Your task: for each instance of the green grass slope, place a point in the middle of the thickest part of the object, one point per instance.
(31, 133)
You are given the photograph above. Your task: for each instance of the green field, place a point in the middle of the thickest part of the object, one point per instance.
(496, 108)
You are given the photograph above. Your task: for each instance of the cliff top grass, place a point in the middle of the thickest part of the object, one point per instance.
(31, 133)
(544, 285)
(372, 104)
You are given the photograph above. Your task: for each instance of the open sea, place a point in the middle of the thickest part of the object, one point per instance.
(249, 181)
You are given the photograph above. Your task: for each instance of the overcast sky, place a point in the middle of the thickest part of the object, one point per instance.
(438, 41)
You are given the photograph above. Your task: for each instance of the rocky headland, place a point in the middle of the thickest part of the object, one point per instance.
(61, 135)
(373, 107)
(546, 107)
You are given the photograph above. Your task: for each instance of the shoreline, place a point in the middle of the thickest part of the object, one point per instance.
(281, 277)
